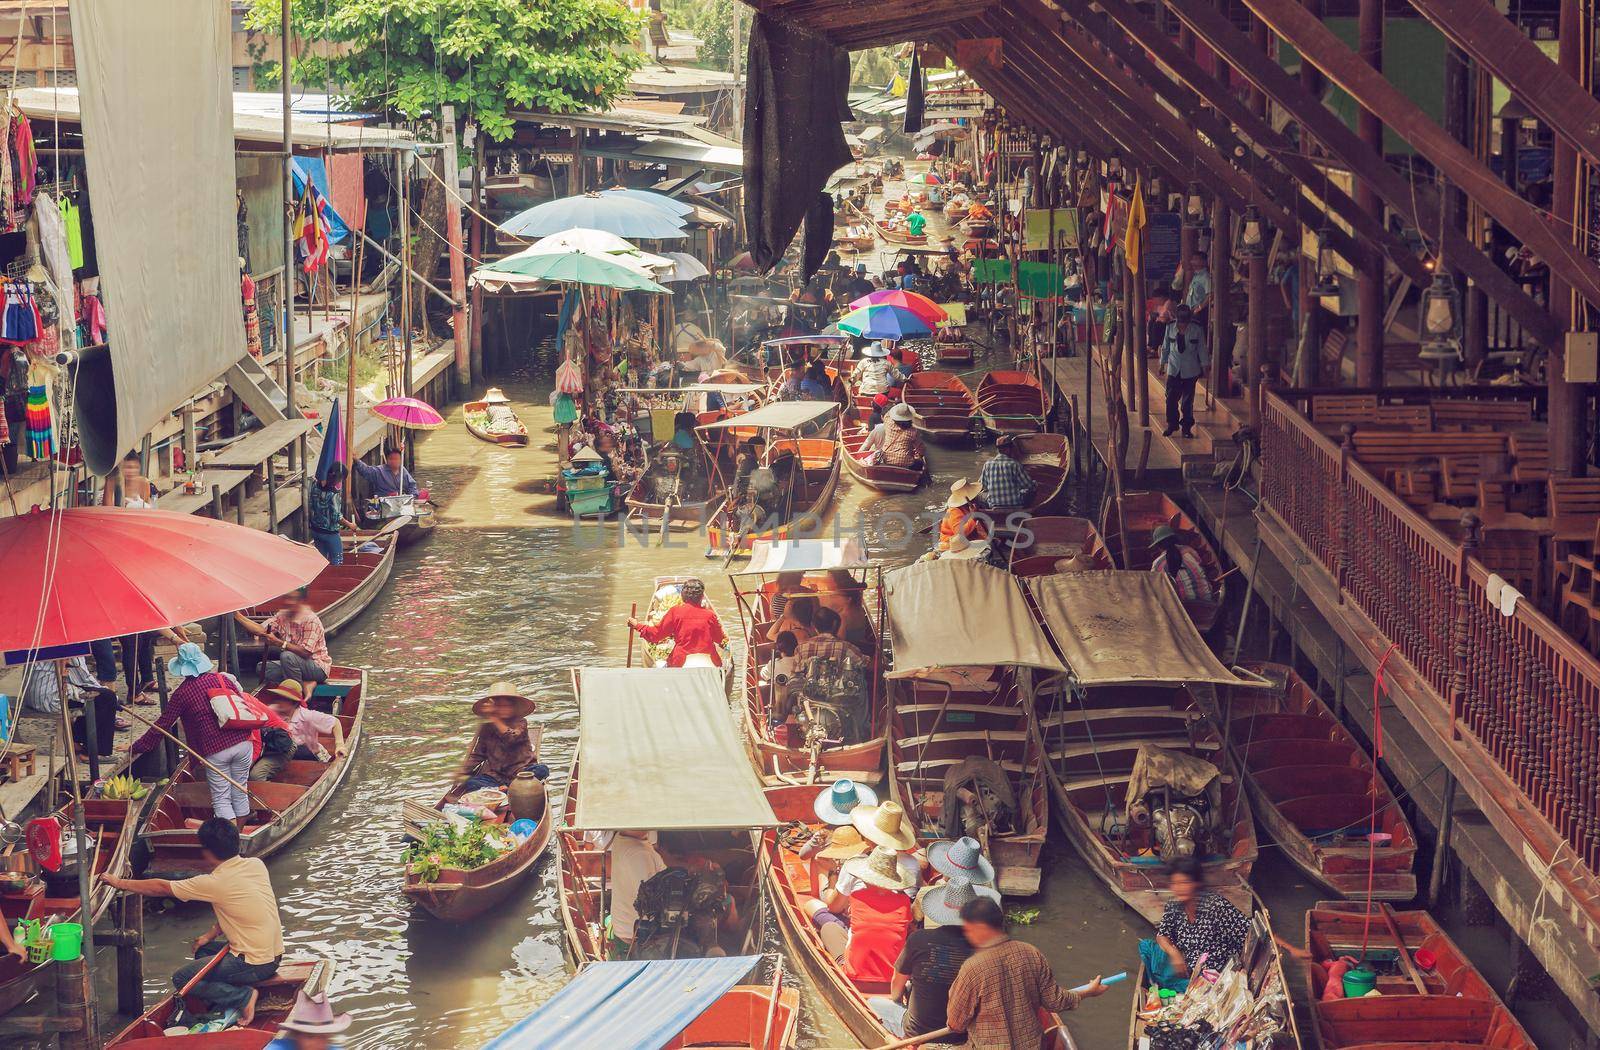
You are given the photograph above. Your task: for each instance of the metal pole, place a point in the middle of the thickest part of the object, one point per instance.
(285, 32)
(402, 187)
(81, 832)
(458, 262)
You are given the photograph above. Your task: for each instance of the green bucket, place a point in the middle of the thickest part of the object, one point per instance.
(67, 938)
(1358, 981)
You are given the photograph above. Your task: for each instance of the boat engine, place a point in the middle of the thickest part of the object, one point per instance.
(1182, 825)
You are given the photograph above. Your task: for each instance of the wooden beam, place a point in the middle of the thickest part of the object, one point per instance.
(1220, 35)
(1369, 89)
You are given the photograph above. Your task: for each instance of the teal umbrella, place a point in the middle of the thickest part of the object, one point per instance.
(569, 267)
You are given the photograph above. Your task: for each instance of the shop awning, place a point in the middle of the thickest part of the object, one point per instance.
(962, 613)
(1116, 627)
(768, 556)
(657, 749)
(626, 1005)
(781, 415)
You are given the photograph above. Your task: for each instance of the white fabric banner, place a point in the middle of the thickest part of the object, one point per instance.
(156, 93)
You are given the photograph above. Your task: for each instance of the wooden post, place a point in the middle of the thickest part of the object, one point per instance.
(458, 262)
(1130, 361)
(479, 234)
(130, 956)
(1256, 330)
(1141, 363)
(402, 188)
(1369, 277)
(1441, 845)
(1222, 332)
(1568, 401)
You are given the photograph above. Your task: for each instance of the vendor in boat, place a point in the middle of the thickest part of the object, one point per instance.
(903, 364)
(325, 516)
(898, 443)
(248, 931)
(916, 223)
(919, 991)
(815, 386)
(793, 379)
(497, 406)
(1182, 564)
(296, 642)
(871, 373)
(391, 479)
(1006, 484)
(304, 728)
(961, 517)
(502, 747)
(1197, 923)
(692, 627)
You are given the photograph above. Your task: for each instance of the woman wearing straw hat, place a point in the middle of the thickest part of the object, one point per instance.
(502, 748)
(961, 514)
(878, 911)
(886, 827)
(929, 963)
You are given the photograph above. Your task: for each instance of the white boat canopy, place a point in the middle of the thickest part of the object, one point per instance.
(773, 556)
(657, 750)
(780, 415)
(962, 613)
(735, 389)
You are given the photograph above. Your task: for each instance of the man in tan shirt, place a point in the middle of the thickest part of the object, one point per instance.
(247, 931)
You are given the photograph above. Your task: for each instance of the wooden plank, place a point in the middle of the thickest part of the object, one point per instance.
(257, 447)
(224, 480)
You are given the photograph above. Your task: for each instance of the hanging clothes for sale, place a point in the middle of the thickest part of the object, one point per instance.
(72, 223)
(20, 323)
(91, 313)
(41, 427)
(27, 162)
(252, 315)
(50, 234)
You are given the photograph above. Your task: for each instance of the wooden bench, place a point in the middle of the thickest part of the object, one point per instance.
(19, 761)
(1463, 413)
(1573, 499)
(1419, 417)
(1337, 409)
(1461, 476)
(1530, 455)
(1418, 487)
(1384, 451)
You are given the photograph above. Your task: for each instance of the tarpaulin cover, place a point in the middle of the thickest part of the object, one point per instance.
(780, 415)
(657, 749)
(770, 556)
(961, 613)
(338, 230)
(1116, 626)
(156, 97)
(626, 1005)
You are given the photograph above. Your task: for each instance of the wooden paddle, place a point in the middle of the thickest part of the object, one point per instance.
(394, 525)
(200, 759)
(930, 1037)
(633, 613)
(1406, 965)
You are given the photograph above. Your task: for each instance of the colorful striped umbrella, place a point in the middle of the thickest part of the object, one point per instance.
(408, 413)
(925, 178)
(884, 322)
(921, 305)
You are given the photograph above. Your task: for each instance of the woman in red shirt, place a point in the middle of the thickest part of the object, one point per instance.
(693, 628)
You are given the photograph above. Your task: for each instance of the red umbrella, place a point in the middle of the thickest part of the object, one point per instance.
(97, 572)
(409, 413)
(927, 311)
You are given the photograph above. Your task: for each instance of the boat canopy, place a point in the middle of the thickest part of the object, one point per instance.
(736, 389)
(633, 1005)
(809, 340)
(1116, 627)
(780, 415)
(772, 556)
(658, 750)
(962, 613)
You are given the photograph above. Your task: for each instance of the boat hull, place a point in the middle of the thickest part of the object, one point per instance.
(1012, 402)
(942, 408)
(277, 998)
(879, 477)
(340, 593)
(722, 542)
(465, 895)
(1142, 512)
(512, 439)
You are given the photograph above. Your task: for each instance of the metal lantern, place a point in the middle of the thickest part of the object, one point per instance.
(1157, 188)
(1327, 282)
(1194, 208)
(1439, 319)
(1253, 233)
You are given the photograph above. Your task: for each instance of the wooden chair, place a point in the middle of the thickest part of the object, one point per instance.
(1334, 410)
(1417, 417)
(1516, 555)
(1456, 412)
(1530, 456)
(1580, 598)
(1418, 486)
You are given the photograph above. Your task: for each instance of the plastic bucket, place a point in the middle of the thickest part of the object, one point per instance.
(1358, 981)
(68, 941)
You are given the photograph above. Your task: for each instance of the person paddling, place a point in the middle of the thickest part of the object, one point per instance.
(693, 627)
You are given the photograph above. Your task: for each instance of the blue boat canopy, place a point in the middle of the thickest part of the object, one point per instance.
(626, 1005)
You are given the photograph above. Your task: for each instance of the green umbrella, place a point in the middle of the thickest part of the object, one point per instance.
(570, 267)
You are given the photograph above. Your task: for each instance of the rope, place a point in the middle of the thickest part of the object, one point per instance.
(1380, 689)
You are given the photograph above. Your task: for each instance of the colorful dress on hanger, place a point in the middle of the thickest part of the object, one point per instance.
(41, 428)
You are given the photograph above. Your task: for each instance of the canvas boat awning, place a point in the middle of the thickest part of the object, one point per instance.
(773, 556)
(1117, 627)
(657, 749)
(735, 389)
(781, 415)
(626, 1005)
(962, 613)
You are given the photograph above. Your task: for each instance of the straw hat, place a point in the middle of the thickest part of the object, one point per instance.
(941, 906)
(503, 691)
(900, 413)
(874, 350)
(962, 492)
(962, 858)
(879, 868)
(314, 1015)
(586, 454)
(961, 547)
(845, 843)
(289, 689)
(836, 801)
(496, 396)
(885, 825)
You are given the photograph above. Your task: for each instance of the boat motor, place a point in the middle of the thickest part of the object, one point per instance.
(1182, 825)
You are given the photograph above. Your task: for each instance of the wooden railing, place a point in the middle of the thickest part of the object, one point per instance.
(1518, 684)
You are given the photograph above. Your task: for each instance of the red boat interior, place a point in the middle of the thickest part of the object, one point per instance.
(1047, 545)
(330, 585)
(941, 399)
(277, 999)
(1144, 512)
(1014, 400)
(740, 1019)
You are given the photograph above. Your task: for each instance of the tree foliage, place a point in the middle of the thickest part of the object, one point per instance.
(712, 22)
(874, 67)
(486, 56)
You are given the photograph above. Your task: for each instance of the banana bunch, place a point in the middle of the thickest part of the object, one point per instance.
(123, 786)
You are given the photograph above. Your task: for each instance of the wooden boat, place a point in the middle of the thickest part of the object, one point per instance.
(1312, 787)
(110, 826)
(284, 807)
(942, 407)
(1047, 545)
(672, 490)
(935, 724)
(1048, 460)
(1091, 741)
(817, 477)
(273, 1006)
(855, 238)
(1012, 402)
(1448, 1006)
(457, 894)
(782, 752)
(955, 209)
(900, 235)
(476, 416)
(952, 347)
(340, 593)
(1142, 513)
(879, 476)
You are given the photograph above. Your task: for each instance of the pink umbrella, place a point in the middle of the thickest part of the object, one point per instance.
(928, 311)
(409, 413)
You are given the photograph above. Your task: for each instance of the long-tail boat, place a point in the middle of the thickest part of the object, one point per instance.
(942, 408)
(340, 593)
(273, 1006)
(282, 808)
(1090, 742)
(1051, 544)
(1012, 402)
(1048, 460)
(1444, 1006)
(900, 235)
(1142, 513)
(801, 431)
(475, 414)
(952, 347)
(804, 747)
(881, 477)
(110, 825)
(1315, 790)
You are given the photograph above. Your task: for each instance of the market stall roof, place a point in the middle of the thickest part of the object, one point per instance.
(621, 117)
(962, 613)
(781, 415)
(657, 749)
(631, 1005)
(769, 556)
(1117, 626)
(678, 80)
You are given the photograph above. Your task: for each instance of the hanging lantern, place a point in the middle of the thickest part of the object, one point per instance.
(1114, 167)
(1253, 234)
(1439, 319)
(1327, 282)
(1194, 208)
(1158, 189)
(566, 410)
